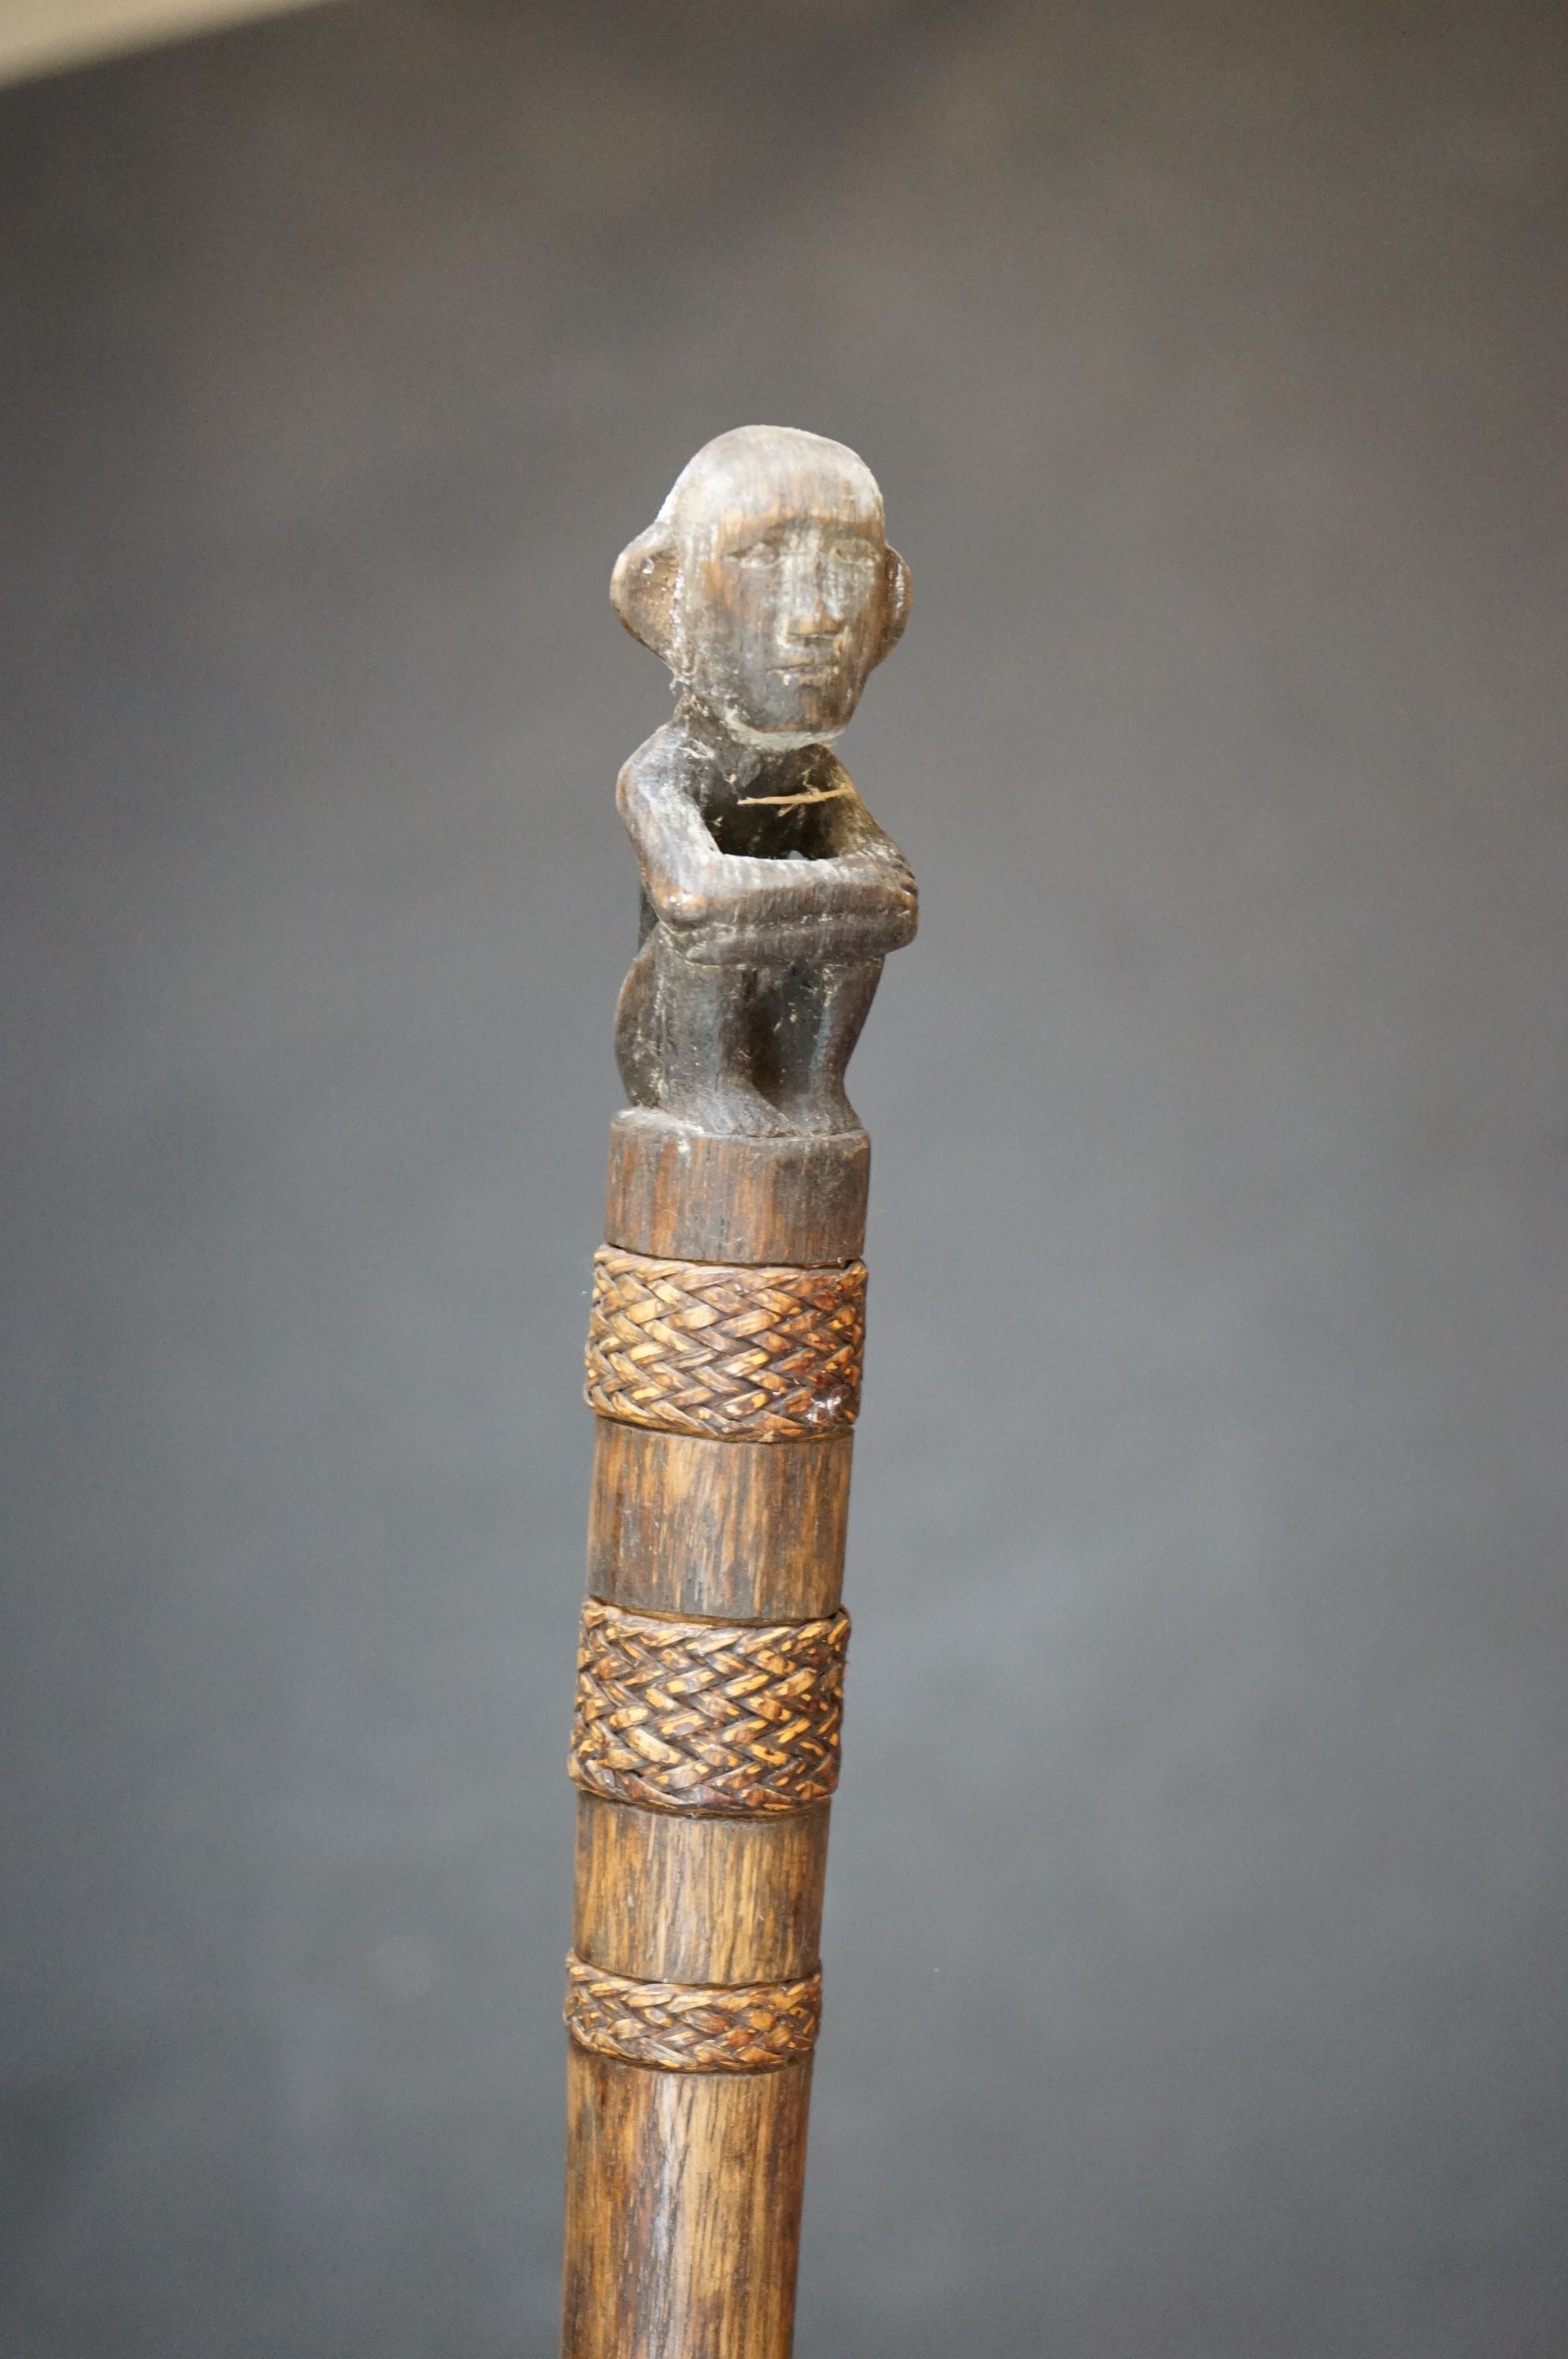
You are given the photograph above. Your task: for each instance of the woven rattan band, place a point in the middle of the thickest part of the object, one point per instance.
(709, 1716)
(756, 2028)
(768, 1355)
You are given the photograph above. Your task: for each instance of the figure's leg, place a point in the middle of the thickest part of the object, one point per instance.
(637, 1030)
(705, 1020)
(830, 1005)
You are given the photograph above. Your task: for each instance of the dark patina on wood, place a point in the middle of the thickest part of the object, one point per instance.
(724, 1369)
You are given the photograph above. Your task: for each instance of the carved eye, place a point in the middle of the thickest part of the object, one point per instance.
(756, 554)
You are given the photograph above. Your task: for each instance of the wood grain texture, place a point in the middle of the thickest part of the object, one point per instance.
(769, 1352)
(709, 1715)
(671, 1899)
(740, 1531)
(683, 2209)
(681, 1194)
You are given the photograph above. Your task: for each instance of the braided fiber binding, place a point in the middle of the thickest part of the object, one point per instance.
(755, 2027)
(707, 1716)
(767, 1354)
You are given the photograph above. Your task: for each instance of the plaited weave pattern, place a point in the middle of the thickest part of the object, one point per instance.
(753, 2028)
(709, 1716)
(766, 1354)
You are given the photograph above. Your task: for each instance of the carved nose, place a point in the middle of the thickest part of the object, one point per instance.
(817, 621)
(816, 614)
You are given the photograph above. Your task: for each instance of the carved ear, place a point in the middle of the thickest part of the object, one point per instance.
(899, 592)
(642, 589)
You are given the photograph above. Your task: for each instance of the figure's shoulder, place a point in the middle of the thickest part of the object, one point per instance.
(822, 773)
(849, 824)
(673, 761)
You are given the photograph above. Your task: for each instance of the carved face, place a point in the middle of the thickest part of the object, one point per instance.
(788, 608)
(768, 583)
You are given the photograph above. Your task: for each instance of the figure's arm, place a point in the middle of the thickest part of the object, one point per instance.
(856, 905)
(732, 908)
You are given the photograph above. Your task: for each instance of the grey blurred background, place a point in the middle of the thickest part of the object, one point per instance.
(1196, 1923)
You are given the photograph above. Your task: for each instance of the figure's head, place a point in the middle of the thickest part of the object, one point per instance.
(766, 582)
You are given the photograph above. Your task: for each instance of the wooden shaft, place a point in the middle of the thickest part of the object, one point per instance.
(683, 2210)
(706, 1743)
(724, 1369)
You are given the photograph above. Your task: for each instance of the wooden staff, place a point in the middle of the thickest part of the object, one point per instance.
(724, 1370)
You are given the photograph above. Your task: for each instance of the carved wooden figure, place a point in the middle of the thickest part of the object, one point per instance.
(724, 1370)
